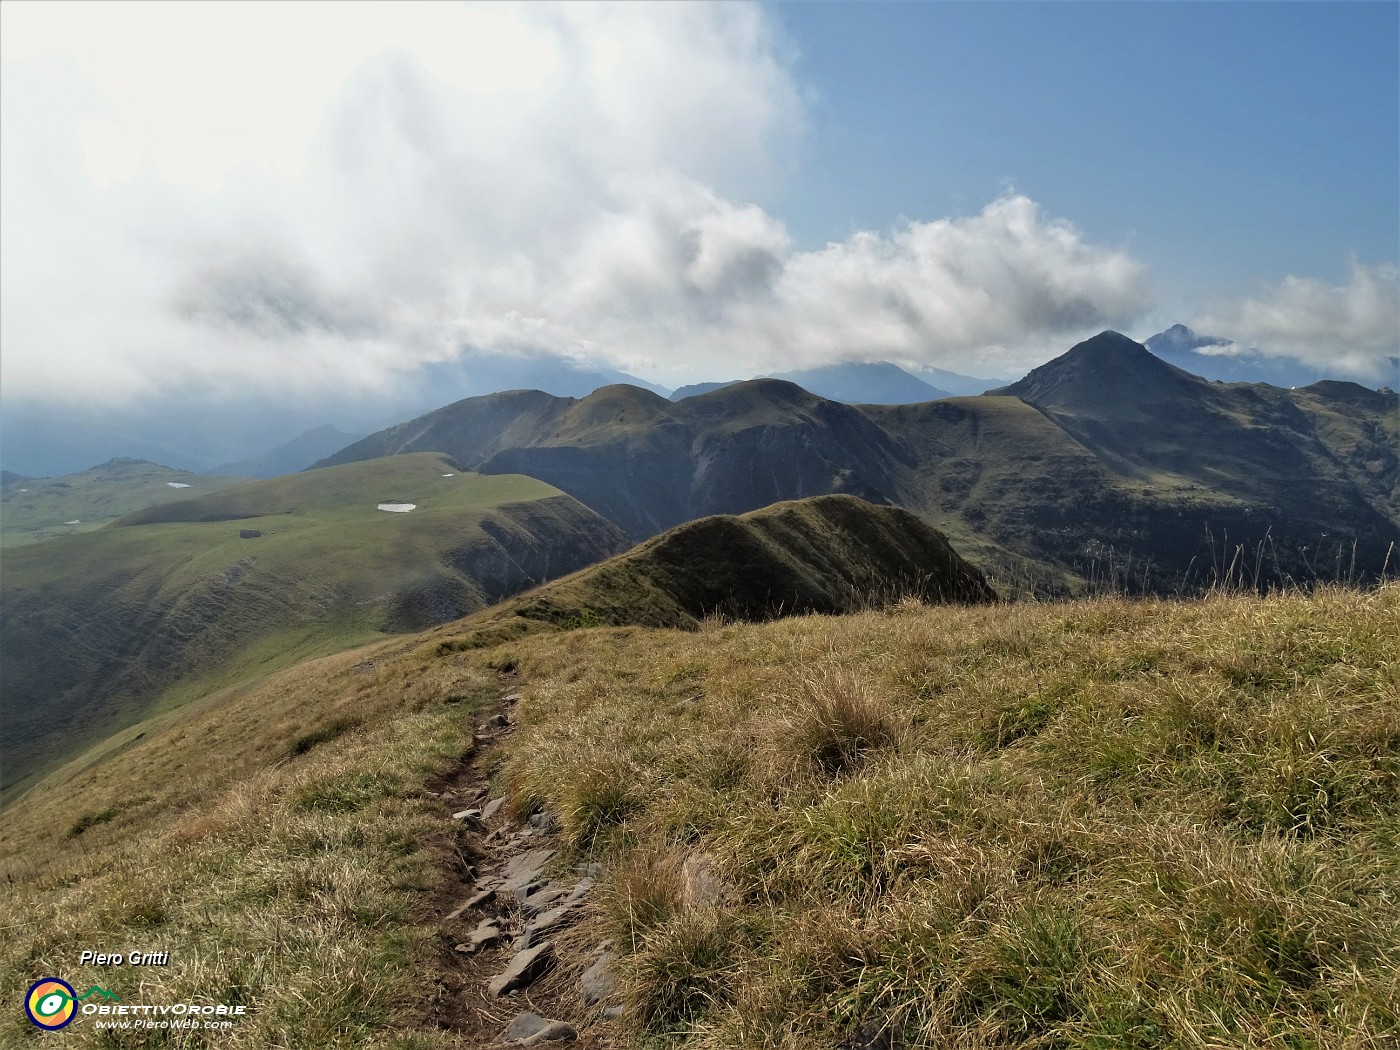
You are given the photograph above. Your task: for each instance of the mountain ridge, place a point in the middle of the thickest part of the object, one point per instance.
(825, 554)
(647, 463)
(856, 383)
(294, 455)
(1110, 368)
(1123, 458)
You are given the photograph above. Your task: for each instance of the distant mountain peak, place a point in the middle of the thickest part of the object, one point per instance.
(739, 400)
(294, 455)
(125, 463)
(1217, 358)
(627, 392)
(787, 389)
(852, 383)
(767, 387)
(1108, 349)
(1109, 369)
(1181, 340)
(122, 461)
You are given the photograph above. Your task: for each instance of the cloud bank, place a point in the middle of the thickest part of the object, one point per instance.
(399, 188)
(1352, 328)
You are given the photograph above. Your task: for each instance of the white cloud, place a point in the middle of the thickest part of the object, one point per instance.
(1352, 327)
(393, 184)
(934, 291)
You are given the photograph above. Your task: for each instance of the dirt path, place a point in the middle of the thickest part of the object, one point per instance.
(519, 933)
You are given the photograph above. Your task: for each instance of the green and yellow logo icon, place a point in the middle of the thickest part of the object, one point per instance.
(52, 1003)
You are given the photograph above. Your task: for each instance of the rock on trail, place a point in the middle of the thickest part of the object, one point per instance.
(510, 931)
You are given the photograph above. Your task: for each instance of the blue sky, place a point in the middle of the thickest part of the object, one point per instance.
(1224, 144)
(311, 203)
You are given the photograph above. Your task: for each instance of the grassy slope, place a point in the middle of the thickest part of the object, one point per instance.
(998, 477)
(1096, 824)
(826, 554)
(1093, 824)
(170, 603)
(271, 839)
(1361, 429)
(36, 509)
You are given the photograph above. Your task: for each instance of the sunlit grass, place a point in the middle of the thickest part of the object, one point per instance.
(279, 850)
(1095, 824)
(170, 604)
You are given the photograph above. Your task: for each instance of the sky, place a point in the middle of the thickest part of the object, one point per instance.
(290, 202)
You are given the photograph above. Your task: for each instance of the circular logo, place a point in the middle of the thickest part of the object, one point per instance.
(51, 1003)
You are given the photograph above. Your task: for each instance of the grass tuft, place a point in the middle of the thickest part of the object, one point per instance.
(336, 728)
(90, 820)
(836, 723)
(644, 893)
(689, 968)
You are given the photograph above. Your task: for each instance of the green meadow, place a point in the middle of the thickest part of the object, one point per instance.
(36, 509)
(170, 603)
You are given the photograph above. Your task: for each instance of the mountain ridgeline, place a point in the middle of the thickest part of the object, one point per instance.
(37, 509)
(870, 383)
(867, 383)
(297, 454)
(1106, 461)
(827, 554)
(648, 464)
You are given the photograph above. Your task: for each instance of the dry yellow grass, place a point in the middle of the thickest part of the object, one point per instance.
(1091, 824)
(1095, 824)
(276, 844)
